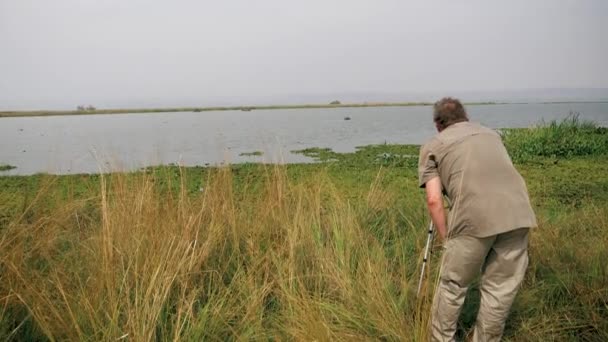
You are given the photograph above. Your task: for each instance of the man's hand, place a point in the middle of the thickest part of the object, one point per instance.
(434, 202)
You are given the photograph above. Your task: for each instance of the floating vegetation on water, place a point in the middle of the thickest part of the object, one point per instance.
(318, 154)
(251, 154)
(384, 154)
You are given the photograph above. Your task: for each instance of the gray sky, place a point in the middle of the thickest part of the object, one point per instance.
(129, 53)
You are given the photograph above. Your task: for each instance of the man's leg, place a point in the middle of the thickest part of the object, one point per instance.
(503, 274)
(462, 260)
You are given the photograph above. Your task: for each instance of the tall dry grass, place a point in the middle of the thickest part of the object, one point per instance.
(277, 259)
(271, 256)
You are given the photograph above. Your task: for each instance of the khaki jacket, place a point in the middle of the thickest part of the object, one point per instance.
(488, 195)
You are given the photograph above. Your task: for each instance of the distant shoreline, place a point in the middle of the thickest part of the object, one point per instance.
(5, 114)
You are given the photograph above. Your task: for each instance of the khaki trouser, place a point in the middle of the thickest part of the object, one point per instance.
(502, 259)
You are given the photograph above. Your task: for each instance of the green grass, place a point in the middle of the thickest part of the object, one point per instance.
(326, 251)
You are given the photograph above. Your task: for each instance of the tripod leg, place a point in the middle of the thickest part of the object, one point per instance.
(429, 240)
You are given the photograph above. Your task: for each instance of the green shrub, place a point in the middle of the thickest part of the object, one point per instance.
(6, 167)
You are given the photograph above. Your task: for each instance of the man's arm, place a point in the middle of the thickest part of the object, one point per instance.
(434, 202)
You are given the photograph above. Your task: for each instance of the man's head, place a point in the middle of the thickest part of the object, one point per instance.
(448, 111)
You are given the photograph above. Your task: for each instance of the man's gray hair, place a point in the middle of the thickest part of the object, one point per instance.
(448, 111)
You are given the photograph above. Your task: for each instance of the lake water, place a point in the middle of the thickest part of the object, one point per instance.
(90, 143)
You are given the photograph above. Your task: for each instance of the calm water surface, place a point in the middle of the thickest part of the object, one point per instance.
(90, 143)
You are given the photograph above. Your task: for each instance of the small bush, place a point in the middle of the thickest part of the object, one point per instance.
(6, 167)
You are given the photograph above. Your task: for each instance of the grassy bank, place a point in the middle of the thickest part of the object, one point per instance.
(217, 108)
(327, 251)
(26, 113)
(201, 109)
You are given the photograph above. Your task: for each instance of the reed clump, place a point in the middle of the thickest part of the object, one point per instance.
(567, 138)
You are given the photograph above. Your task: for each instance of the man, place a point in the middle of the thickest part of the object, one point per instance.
(487, 226)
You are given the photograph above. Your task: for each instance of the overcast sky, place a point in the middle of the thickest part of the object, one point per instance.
(60, 53)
